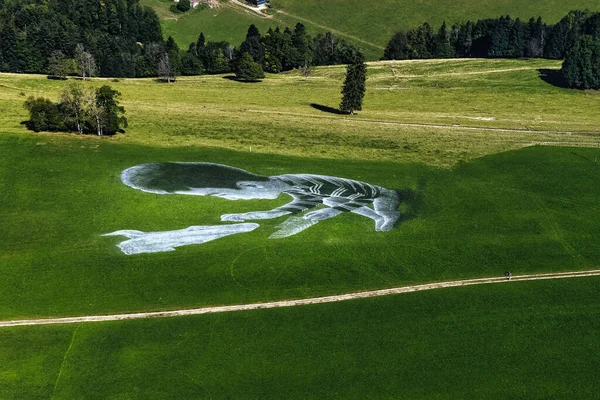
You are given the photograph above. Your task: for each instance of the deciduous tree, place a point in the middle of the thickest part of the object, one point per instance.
(72, 103)
(86, 64)
(165, 72)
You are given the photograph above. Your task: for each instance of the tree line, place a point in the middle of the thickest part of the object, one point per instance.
(500, 37)
(274, 51)
(575, 38)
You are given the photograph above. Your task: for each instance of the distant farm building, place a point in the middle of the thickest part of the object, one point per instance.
(258, 2)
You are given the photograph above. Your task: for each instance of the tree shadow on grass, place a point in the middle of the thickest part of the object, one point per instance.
(412, 204)
(328, 109)
(553, 77)
(235, 78)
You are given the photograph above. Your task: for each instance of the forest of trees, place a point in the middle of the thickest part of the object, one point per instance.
(115, 33)
(501, 37)
(120, 38)
(575, 38)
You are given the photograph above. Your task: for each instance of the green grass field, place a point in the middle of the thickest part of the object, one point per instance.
(276, 116)
(370, 25)
(458, 134)
(521, 340)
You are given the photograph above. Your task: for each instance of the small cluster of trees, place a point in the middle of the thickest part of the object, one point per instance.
(81, 109)
(84, 64)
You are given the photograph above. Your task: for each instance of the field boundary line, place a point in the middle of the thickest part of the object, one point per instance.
(299, 302)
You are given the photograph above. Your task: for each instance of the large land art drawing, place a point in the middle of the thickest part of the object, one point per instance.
(328, 195)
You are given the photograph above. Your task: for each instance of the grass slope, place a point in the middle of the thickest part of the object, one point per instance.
(517, 340)
(276, 116)
(368, 24)
(480, 207)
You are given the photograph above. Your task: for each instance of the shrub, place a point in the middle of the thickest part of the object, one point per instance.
(44, 115)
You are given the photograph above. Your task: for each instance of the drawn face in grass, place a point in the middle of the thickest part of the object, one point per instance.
(201, 179)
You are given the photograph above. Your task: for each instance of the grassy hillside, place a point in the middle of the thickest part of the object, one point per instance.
(458, 134)
(526, 209)
(368, 24)
(436, 112)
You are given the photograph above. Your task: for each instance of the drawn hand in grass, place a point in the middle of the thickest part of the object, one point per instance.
(253, 215)
(232, 217)
(320, 215)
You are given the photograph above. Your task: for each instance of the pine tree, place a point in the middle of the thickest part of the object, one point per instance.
(443, 49)
(354, 85)
(58, 66)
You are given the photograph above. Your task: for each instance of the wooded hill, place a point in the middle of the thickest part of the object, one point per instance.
(113, 31)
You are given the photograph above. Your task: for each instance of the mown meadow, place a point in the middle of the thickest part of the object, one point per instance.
(468, 142)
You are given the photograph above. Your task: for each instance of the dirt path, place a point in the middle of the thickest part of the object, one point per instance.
(299, 302)
(258, 10)
(327, 28)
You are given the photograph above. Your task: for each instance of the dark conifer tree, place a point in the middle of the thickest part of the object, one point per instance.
(354, 87)
(443, 48)
(252, 45)
(398, 47)
(183, 5)
(172, 50)
(201, 41)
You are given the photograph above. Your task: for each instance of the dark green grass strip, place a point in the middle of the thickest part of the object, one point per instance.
(523, 340)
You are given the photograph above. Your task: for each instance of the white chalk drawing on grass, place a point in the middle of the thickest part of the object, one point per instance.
(328, 195)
